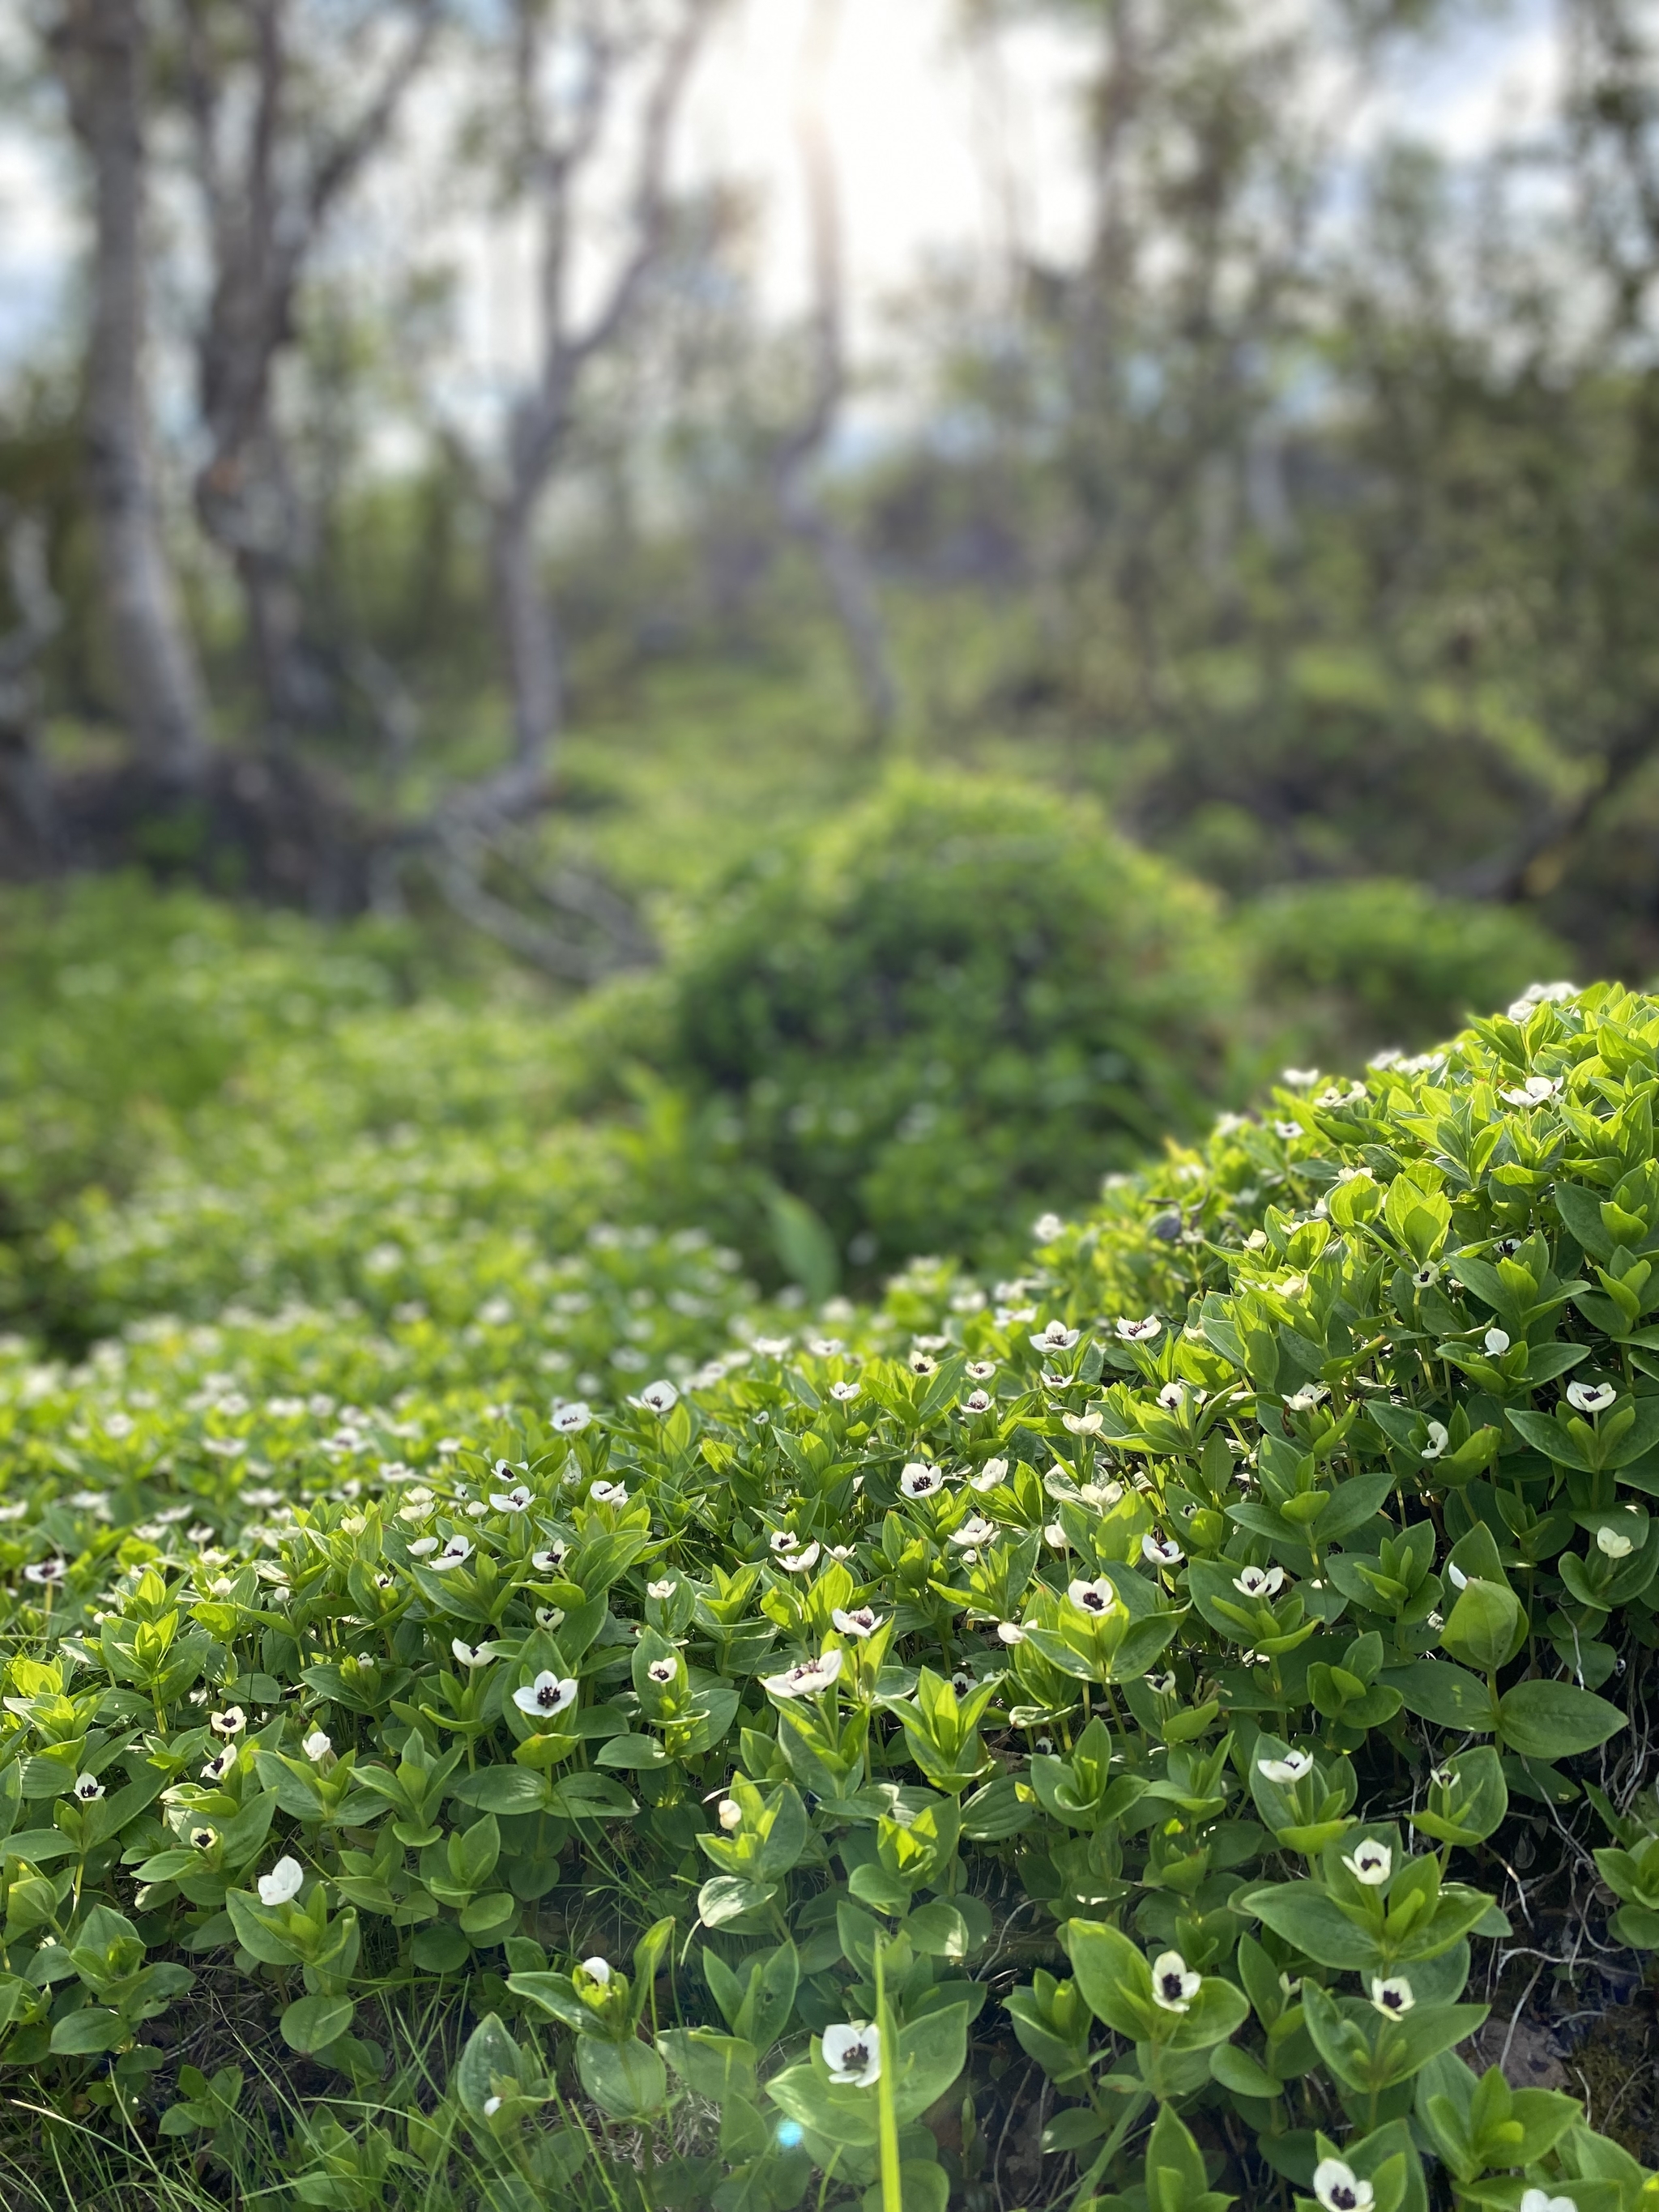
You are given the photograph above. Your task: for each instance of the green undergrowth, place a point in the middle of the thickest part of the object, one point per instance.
(602, 1741)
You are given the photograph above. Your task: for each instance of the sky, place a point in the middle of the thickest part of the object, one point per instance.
(907, 108)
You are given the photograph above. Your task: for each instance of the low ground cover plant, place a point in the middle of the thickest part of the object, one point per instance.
(1098, 1706)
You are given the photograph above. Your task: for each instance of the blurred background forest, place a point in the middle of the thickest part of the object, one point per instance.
(914, 591)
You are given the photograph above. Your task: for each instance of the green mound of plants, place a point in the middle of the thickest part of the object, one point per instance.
(957, 1000)
(1345, 969)
(1092, 1714)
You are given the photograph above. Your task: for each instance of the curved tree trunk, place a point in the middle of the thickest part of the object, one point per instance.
(101, 47)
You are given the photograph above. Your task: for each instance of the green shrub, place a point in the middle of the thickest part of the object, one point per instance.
(1149, 1659)
(958, 999)
(1346, 968)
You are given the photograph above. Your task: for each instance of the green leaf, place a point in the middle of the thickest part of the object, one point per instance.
(501, 1789)
(1450, 1695)
(1303, 1913)
(628, 2080)
(711, 2065)
(1245, 2076)
(632, 1752)
(490, 2056)
(1554, 1720)
(313, 2023)
(92, 2029)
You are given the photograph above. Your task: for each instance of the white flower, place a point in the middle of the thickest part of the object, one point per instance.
(1612, 1544)
(547, 1695)
(317, 1746)
(1299, 1078)
(203, 1839)
(807, 1679)
(512, 1501)
(1304, 1399)
(1497, 1341)
(975, 1530)
(1161, 1551)
(549, 1616)
(1010, 1632)
(1534, 1091)
(88, 1789)
(1288, 1131)
(423, 1546)
(220, 1765)
(853, 2054)
(783, 1539)
(977, 1402)
(994, 1472)
(1046, 1228)
(1055, 1337)
(729, 1813)
(1591, 1397)
(472, 1655)
(662, 1670)
(1140, 1332)
(1340, 2189)
(608, 1493)
(1540, 2200)
(980, 1370)
(1456, 1576)
(1174, 1986)
(1392, 1997)
(548, 1562)
(457, 1549)
(661, 1591)
(284, 1882)
(659, 1397)
(491, 2106)
(864, 1621)
(46, 1571)
(771, 1347)
(598, 1970)
(1260, 1581)
(229, 1723)
(1425, 1275)
(844, 1393)
(569, 1420)
(1288, 1771)
(1097, 1597)
(800, 1563)
(921, 1481)
(1371, 1863)
(1436, 1441)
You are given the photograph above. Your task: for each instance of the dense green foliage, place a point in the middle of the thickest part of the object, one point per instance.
(1143, 1658)
(1348, 968)
(951, 1002)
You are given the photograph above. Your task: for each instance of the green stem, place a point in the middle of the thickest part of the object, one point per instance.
(892, 2187)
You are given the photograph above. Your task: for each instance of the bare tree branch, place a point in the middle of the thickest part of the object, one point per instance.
(555, 163)
(800, 453)
(261, 232)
